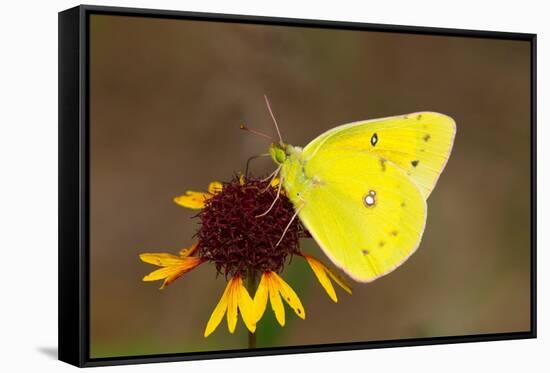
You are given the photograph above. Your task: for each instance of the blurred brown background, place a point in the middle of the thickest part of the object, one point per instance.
(167, 98)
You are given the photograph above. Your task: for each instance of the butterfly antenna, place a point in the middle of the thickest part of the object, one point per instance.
(244, 127)
(274, 120)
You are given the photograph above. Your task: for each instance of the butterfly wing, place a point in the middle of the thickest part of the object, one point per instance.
(419, 143)
(367, 216)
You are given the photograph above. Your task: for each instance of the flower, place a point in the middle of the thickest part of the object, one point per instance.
(247, 228)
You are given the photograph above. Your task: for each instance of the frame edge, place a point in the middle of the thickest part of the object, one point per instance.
(69, 150)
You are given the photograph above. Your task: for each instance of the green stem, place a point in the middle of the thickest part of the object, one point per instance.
(251, 290)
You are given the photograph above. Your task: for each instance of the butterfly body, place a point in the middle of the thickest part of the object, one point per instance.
(361, 188)
(293, 175)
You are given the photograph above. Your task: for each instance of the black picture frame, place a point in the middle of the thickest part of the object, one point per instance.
(74, 184)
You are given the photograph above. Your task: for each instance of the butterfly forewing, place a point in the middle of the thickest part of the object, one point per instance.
(418, 143)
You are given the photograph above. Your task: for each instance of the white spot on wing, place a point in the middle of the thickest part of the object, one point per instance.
(370, 198)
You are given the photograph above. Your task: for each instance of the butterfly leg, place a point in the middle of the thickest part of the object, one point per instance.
(290, 222)
(251, 159)
(274, 200)
(271, 176)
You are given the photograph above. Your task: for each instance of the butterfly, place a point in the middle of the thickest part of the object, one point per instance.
(360, 189)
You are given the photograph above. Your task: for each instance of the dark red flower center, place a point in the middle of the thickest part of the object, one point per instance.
(237, 239)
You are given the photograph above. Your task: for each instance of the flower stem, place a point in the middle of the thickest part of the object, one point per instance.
(251, 290)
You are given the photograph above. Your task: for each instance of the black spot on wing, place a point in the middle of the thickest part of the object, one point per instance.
(427, 137)
(383, 164)
(415, 162)
(374, 139)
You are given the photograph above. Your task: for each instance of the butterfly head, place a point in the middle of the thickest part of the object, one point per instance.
(279, 152)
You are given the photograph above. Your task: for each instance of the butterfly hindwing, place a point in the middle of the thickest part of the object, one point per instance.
(366, 215)
(419, 143)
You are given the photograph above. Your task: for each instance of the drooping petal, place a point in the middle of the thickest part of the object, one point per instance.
(187, 265)
(323, 278)
(321, 272)
(189, 251)
(339, 280)
(260, 298)
(217, 314)
(192, 199)
(275, 299)
(161, 259)
(168, 280)
(215, 187)
(169, 272)
(162, 273)
(290, 296)
(232, 303)
(246, 306)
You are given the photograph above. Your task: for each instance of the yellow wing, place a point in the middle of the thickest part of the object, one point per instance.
(419, 143)
(366, 215)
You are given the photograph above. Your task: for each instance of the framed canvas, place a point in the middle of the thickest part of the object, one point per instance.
(276, 178)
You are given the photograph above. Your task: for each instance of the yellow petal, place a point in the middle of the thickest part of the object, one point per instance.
(241, 179)
(321, 272)
(188, 251)
(260, 298)
(187, 265)
(339, 280)
(217, 314)
(232, 302)
(215, 187)
(162, 273)
(161, 259)
(168, 280)
(192, 199)
(246, 306)
(290, 296)
(275, 299)
(173, 272)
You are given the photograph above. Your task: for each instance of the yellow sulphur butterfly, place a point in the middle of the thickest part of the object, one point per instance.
(361, 188)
